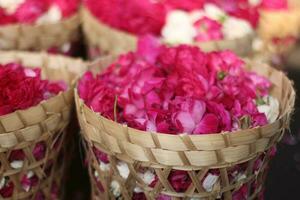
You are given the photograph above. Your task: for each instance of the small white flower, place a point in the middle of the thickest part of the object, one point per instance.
(214, 12)
(29, 175)
(51, 16)
(2, 182)
(104, 167)
(271, 108)
(178, 28)
(17, 164)
(66, 47)
(96, 174)
(234, 28)
(137, 189)
(115, 188)
(10, 6)
(123, 169)
(258, 44)
(209, 182)
(254, 2)
(148, 177)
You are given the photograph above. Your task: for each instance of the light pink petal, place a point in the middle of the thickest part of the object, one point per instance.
(186, 120)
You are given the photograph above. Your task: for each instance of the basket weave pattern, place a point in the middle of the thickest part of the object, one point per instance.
(194, 154)
(112, 41)
(39, 37)
(42, 124)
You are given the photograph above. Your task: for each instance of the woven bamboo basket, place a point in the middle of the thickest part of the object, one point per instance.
(39, 37)
(279, 24)
(112, 41)
(44, 123)
(195, 154)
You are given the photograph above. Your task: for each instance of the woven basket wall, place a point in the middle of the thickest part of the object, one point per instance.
(195, 154)
(112, 41)
(42, 124)
(39, 37)
(279, 24)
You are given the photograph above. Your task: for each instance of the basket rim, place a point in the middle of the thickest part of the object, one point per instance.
(17, 25)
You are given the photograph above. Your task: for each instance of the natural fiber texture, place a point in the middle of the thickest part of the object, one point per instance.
(113, 41)
(279, 24)
(193, 153)
(45, 123)
(39, 37)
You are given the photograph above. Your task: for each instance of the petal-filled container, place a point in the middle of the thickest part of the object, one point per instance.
(40, 25)
(112, 27)
(168, 123)
(35, 109)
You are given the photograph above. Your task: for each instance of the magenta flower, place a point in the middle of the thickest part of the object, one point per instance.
(208, 29)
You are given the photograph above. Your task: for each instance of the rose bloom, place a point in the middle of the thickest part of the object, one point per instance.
(22, 88)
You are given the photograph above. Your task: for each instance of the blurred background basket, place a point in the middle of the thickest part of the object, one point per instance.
(44, 125)
(101, 39)
(196, 155)
(40, 37)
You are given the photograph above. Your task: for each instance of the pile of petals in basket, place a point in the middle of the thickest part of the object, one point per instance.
(22, 88)
(178, 90)
(179, 21)
(38, 12)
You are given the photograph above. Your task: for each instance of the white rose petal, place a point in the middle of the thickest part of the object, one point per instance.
(123, 169)
(10, 6)
(66, 47)
(30, 174)
(115, 188)
(178, 28)
(214, 12)
(53, 15)
(2, 182)
(234, 28)
(254, 2)
(96, 174)
(148, 177)
(104, 167)
(209, 182)
(137, 189)
(17, 164)
(271, 109)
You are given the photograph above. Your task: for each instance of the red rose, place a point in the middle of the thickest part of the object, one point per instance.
(179, 180)
(188, 5)
(103, 157)
(39, 151)
(7, 190)
(5, 18)
(23, 88)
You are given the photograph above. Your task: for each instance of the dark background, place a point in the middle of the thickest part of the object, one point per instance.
(283, 181)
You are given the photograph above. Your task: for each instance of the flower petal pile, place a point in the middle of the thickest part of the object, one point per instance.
(23, 87)
(194, 19)
(178, 90)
